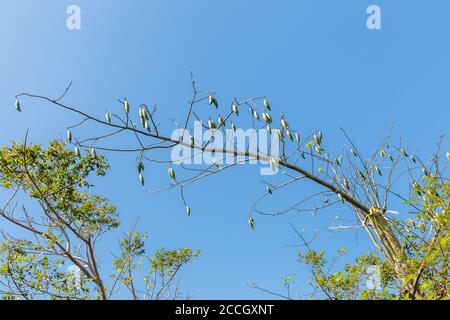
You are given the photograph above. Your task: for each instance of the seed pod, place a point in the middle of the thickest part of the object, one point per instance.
(390, 158)
(341, 198)
(141, 178)
(146, 125)
(266, 104)
(213, 101)
(413, 159)
(267, 118)
(302, 154)
(382, 153)
(93, 152)
(269, 190)
(404, 153)
(318, 137)
(107, 117)
(448, 156)
(171, 173)
(255, 115)
(192, 141)
(212, 124)
(17, 105)
(279, 133)
(69, 136)
(126, 106)
(297, 137)
(363, 177)
(251, 223)
(284, 123)
(326, 200)
(140, 166)
(378, 170)
(338, 160)
(318, 148)
(289, 134)
(221, 121)
(234, 108)
(188, 211)
(77, 152)
(233, 127)
(353, 152)
(269, 129)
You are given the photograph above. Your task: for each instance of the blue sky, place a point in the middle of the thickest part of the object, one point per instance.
(315, 60)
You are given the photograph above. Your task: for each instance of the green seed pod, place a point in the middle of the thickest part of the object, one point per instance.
(284, 123)
(318, 137)
(171, 173)
(140, 166)
(269, 129)
(93, 152)
(77, 152)
(212, 124)
(251, 223)
(404, 153)
(221, 121)
(297, 137)
(269, 190)
(69, 136)
(382, 153)
(188, 211)
(363, 177)
(141, 179)
(273, 164)
(126, 106)
(233, 127)
(107, 118)
(346, 184)
(17, 105)
(448, 156)
(213, 101)
(146, 125)
(413, 159)
(318, 148)
(341, 198)
(234, 108)
(266, 104)
(255, 115)
(353, 152)
(192, 141)
(289, 134)
(378, 170)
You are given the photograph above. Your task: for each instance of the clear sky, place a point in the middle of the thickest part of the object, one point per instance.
(315, 60)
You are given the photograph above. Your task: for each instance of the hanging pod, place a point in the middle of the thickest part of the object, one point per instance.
(378, 170)
(413, 159)
(17, 105)
(289, 134)
(171, 173)
(233, 127)
(284, 123)
(269, 190)
(297, 137)
(212, 124)
(341, 198)
(234, 108)
(267, 118)
(126, 106)
(221, 121)
(266, 104)
(448, 156)
(353, 152)
(255, 115)
(251, 223)
(69, 136)
(93, 152)
(141, 178)
(77, 152)
(140, 166)
(318, 148)
(188, 211)
(213, 100)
